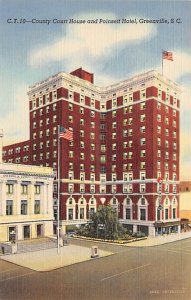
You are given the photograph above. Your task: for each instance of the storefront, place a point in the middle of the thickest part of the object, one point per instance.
(166, 228)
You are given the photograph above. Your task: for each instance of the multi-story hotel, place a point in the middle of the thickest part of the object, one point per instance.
(125, 148)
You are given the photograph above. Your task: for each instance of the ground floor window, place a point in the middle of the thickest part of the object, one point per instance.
(26, 232)
(12, 234)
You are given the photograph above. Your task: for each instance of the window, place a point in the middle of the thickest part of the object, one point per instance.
(142, 141)
(130, 121)
(82, 99)
(130, 132)
(81, 121)
(125, 133)
(54, 106)
(114, 135)
(70, 95)
(9, 207)
(166, 213)
(142, 188)
(128, 214)
(92, 135)
(142, 165)
(23, 207)
(103, 159)
(82, 188)
(70, 188)
(174, 213)
(114, 113)
(125, 145)
(130, 166)
(142, 214)
(70, 213)
(142, 105)
(159, 118)
(37, 207)
(166, 188)
(93, 125)
(113, 157)
(142, 118)
(174, 156)
(70, 119)
(114, 102)
(82, 133)
(24, 189)
(9, 188)
(92, 113)
(174, 123)
(70, 106)
(130, 143)
(125, 122)
(142, 175)
(114, 125)
(142, 129)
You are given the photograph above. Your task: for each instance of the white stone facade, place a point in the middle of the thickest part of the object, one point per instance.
(25, 202)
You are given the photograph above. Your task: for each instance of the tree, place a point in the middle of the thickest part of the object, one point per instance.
(104, 223)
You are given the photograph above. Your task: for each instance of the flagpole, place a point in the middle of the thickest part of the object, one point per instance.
(58, 204)
(162, 62)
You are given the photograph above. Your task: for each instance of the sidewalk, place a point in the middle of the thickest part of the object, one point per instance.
(160, 240)
(49, 259)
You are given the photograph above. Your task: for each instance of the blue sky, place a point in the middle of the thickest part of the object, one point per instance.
(113, 52)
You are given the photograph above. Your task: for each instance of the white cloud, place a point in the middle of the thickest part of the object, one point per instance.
(89, 42)
(15, 123)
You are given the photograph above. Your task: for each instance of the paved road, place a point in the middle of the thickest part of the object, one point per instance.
(161, 272)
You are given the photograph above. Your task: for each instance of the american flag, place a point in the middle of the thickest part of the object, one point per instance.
(167, 55)
(65, 133)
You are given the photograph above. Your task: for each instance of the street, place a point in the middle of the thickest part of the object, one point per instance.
(159, 272)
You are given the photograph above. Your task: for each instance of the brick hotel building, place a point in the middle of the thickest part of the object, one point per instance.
(125, 137)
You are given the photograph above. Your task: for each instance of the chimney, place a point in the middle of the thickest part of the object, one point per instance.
(1, 146)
